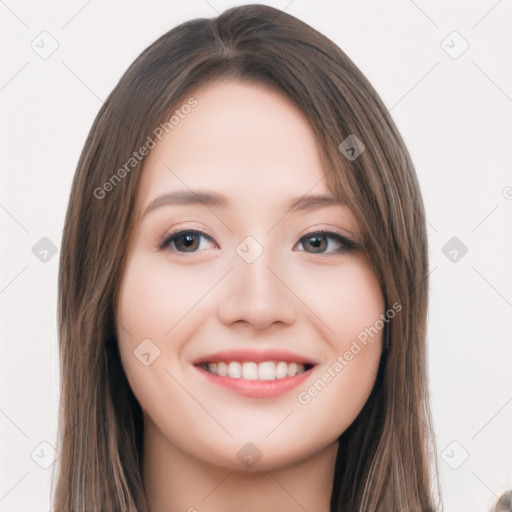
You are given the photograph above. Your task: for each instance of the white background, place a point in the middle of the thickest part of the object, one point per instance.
(454, 114)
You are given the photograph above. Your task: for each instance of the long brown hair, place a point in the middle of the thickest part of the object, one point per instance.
(385, 457)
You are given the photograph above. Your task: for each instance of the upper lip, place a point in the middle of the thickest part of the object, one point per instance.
(257, 355)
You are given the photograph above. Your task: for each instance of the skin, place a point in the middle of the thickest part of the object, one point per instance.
(249, 143)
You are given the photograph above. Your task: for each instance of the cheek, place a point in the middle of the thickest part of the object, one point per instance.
(158, 303)
(155, 296)
(349, 302)
(358, 304)
(345, 299)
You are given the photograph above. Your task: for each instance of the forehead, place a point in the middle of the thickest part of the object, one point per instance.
(241, 138)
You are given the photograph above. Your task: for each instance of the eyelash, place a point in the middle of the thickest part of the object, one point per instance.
(346, 243)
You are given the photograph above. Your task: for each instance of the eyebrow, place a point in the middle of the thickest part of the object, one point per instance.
(207, 198)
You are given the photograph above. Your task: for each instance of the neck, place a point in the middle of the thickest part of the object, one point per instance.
(174, 480)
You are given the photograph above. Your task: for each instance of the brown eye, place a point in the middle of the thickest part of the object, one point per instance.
(187, 241)
(319, 242)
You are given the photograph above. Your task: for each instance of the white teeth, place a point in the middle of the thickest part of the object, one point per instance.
(281, 370)
(292, 369)
(222, 369)
(267, 370)
(234, 370)
(249, 370)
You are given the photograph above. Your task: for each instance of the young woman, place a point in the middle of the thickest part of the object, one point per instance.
(243, 285)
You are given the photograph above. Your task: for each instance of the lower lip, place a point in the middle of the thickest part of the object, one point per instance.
(257, 388)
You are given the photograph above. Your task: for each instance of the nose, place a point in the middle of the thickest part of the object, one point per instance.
(257, 294)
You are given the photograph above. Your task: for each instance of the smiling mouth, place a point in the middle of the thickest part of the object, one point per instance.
(251, 370)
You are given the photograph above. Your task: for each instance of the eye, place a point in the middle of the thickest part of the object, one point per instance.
(322, 242)
(187, 241)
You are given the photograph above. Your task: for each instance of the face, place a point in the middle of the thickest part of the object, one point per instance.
(240, 320)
